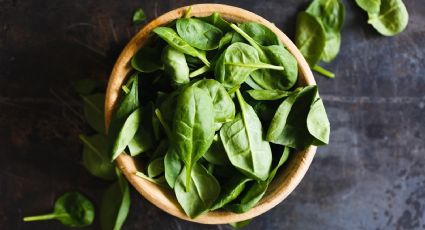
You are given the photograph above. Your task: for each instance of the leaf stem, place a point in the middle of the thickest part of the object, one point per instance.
(188, 175)
(323, 71)
(49, 216)
(199, 71)
(187, 12)
(246, 36)
(163, 123)
(259, 66)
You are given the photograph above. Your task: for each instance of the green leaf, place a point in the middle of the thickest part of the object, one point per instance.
(172, 167)
(85, 86)
(391, 19)
(147, 60)
(371, 6)
(199, 34)
(95, 157)
(138, 16)
(125, 120)
(231, 190)
(72, 209)
(156, 167)
(244, 144)
(236, 63)
(204, 190)
(257, 191)
(224, 108)
(115, 205)
(175, 65)
(318, 123)
(193, 126)
(259, 33)
(241, 224)
(289, 125)
(216, 153)
(173, 39)
(93, 111)
(216, 20)
(310, 37)
(268, 94)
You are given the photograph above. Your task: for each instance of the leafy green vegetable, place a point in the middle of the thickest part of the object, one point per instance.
(172, 167)
(244, 144)
(156, 167)
(115, 205)
(318, 123)
(231, 190)
(85, 86)
(310, 37)
(289, 126)
(139, 16)
(276, 55)
(259, 33)
(224, 108)
(331, 14)
(95, 157)
(93, 111)
(204, 190)
(370, 6)
(257, 191)
(175, 65)
(125, 120)
(198, 33)
(216, 20)
(147, 60)
(71, 209)
(143, 140)
(236, 63)
(216, 153)
(241, 224)
(173, 39)
(268, 94)
(193, 126)
(391, 19)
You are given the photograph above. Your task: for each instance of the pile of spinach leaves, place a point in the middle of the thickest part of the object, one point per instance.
(212, 110)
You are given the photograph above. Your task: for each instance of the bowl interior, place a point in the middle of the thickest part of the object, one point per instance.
(287, 178)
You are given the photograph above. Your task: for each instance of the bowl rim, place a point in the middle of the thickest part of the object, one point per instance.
(282, 185)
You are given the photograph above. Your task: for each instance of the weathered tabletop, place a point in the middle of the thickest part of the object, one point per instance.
(371, 176)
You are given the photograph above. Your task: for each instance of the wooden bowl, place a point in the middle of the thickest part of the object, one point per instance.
(283, 184)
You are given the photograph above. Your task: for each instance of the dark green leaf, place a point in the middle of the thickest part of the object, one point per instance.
(198, 33)
(268, 94)
(173, 167)
(71, 209)
(318, 123)
(156, 167)
(147, 60)
(231, 190)
(93, 111)
(391, 19)
(175, 65)
(139, 16)
(95, 157)
(204, 190)
(216, 153)
(85, 86)
(260, 33)
(216, 20)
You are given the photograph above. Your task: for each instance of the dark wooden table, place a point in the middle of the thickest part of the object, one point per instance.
(371, 176)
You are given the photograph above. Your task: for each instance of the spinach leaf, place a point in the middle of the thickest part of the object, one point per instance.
(72, 209)
(241, 224)
(257, 191)
(138, 16)
(370, 6)
(173, 39)
(115, 205)
(204, 190)
(236, 63)
(216, 20)
(244, 144)
(276, 55)
(93, 111)
(156, 167)
(260, 33)
(310, 37)
(231, 190)
(172, 167)
(85, 86)
(268, 94)
(225, 41)
(175, 65)
(199, 34)
(193, 126)
(143, 140)
(224, 108)
(318, 123)
(216, 153)
(95, 157)
(331, 14)
(289, 125)
(391, 19)
(147, 60)
(125, 120)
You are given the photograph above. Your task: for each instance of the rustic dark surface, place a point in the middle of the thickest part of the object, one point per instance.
(371, 176)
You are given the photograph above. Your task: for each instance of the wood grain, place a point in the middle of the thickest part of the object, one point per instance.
(287, 179)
